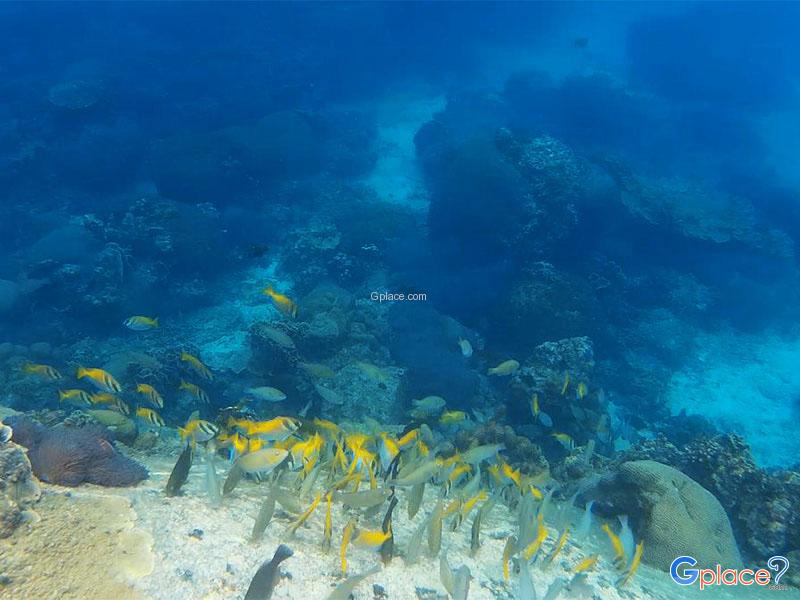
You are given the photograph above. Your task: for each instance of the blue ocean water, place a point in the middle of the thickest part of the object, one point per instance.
(595, 204)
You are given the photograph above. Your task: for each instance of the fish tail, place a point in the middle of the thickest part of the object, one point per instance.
(81, 373)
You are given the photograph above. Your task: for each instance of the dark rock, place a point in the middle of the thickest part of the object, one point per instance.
(71, 456)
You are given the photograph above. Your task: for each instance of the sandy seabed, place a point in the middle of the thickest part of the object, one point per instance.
(99, 543)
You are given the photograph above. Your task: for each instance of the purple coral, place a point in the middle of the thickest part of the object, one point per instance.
(71, 456)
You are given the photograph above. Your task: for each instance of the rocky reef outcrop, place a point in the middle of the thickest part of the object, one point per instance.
(19, 490)
(73, 455)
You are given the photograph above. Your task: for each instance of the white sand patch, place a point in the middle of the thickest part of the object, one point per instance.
(748, 384)
(396, 177)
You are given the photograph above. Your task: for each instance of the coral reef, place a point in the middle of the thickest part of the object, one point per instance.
(673, 514)
(18, 488)
(74, 455)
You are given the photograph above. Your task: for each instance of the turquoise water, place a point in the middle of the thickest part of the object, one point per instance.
(370, 237)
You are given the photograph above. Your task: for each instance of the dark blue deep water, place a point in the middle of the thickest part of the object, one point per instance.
(606, 193)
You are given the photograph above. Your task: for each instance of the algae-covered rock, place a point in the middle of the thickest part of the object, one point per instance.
(123, 428)
(18, 487)
(673, 514)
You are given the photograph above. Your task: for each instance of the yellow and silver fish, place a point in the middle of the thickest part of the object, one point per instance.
(141, 323)
(196, 365)
(43, 371)
(102, 380)
(151, 416)
(149, 392)
(283, 303)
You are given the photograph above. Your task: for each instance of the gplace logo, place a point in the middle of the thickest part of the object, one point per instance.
(683, 572)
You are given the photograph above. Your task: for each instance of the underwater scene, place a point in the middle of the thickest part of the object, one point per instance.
(399, 301)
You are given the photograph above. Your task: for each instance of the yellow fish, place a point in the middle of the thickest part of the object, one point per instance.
(328, 531)
(346, 535)
(277, 429)
(101, 379)
(407, 439)
(149, 392)
(318, 370)
(151, 416)
(262, 461)
(283, 303)
(388, 449)
(536, 492)
(195, 390)
(111, 400)
(372, 371)
(582, 390)
(504, 368)
(629, 573)
(559, 545)
(44, 371)
(196, 365)
(140, 323)
(77, 397)
(508, 551)
(450, 417)
(586, 564)
(371, 539)
(295, 525)
(199, 430)
(513, 474)
(541, 536)
(566, 384)
(616, 543)
(564, 439)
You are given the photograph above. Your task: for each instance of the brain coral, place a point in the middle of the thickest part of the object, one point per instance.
(74, 455)
(673, 514)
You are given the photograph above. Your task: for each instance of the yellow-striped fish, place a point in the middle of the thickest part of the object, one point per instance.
(371, 539)
(283, 303)
(581, 391)
(195, 390)
(196, 365)
(103, 380)
(140, 323)
(76, 397)
(635, 561)
(328, 531)
(508, 551)
(199, 430)
(347, 533)
(616, 543)
(44, 371)
(149, 392)
(151, 416)
(450, 417)
(562, 539)
(565, 387)
(587, 563)
(564, 439)
(541, 536)
(504, 368)
(513, 474)
(112, 401)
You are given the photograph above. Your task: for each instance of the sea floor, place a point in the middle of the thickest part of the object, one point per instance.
(100, 543)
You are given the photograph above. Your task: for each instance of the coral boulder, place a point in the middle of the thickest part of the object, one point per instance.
(673, 514)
